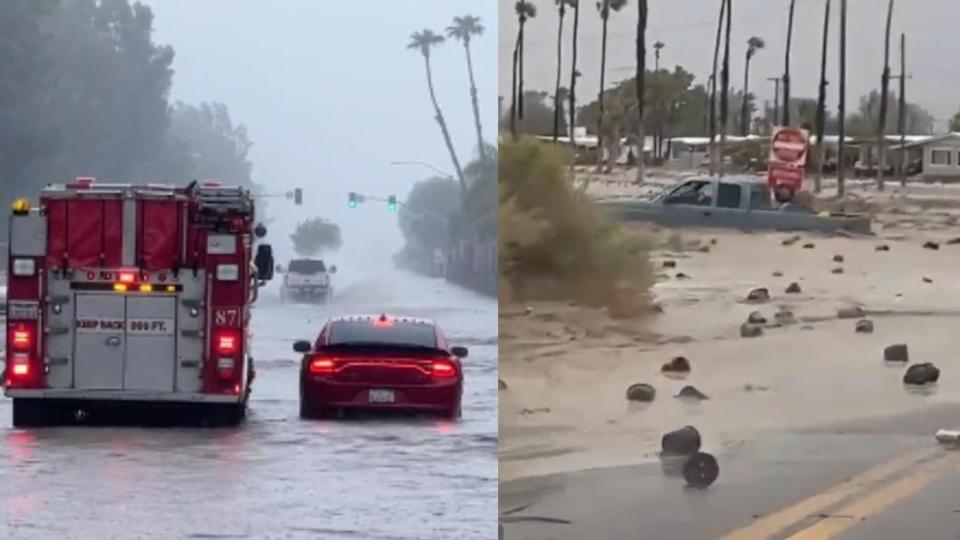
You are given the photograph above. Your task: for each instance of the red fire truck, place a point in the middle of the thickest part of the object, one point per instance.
(122, 295)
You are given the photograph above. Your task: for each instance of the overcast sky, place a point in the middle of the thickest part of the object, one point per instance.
(330, 95)
(688, 28)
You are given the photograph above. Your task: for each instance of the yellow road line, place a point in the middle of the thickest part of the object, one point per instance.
(855, 512)
(768, 526)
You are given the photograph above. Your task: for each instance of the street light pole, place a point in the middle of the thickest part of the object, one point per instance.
(427, 165)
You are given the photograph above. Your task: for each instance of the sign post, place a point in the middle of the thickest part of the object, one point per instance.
(787, 161)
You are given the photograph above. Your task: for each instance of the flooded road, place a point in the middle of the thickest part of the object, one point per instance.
(277, 476)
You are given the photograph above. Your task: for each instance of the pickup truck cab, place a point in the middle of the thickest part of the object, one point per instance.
(740, 202)
(307, 279)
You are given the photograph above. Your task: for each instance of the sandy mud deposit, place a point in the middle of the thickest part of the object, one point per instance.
(567, 368)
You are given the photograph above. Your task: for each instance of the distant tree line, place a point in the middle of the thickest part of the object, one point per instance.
(84, 90)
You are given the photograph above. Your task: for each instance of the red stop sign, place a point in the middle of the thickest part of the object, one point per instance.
(789, 146)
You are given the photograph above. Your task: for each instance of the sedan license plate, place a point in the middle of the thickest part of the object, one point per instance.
(381, 396)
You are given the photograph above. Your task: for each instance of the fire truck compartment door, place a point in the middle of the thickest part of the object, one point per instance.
(151, 343)
(100, 342)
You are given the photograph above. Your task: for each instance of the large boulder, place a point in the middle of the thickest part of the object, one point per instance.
(921, 374)
(758, 295)
(864, 326)
(838, 258)
(691, 392)
(784, 317)
(931, 245)
(701, 470)
(793, 288)
(683, 442)
(748, 330)
(677, 365)
(641, 392)
(896, 353)
(756, 317)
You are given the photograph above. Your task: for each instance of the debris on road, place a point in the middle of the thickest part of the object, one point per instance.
(683, 442)
(791, 241)
(864, 326)
(882, 247)
(641, 392)
(758, 295)
(691, 392)
(948, 436)
(927, 280)
(793, 288)
(748, 330)
(669, 264)
(677, 365)
(756, 317)
(931, 245)
(851, 312)
(919, 374)
(838, 258)
(784, 317)
(701, 470)
(896, 353)
(809, 245)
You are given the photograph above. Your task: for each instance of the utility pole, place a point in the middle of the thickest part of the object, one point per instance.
(776, 100)
(884, 98)
(786, 69)
(902, 112)
(822, 102)
(842, 105)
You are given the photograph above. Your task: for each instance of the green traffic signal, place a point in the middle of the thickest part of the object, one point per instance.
(392, 203)
(352, 200)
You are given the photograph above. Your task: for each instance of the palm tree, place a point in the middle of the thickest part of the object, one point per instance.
(573, 78)
(725, 80)
(822, 101)
(713, 91)
(641, 81)
(423, 41)
(754, 44)
(525, 10)
(605, 7)
(562, 9)
(463, 29)
(657, 47)
(884, 98)
(786, 68)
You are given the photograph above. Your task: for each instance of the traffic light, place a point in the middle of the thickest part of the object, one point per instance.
(392, 203)
(297, 196)
(352, 201)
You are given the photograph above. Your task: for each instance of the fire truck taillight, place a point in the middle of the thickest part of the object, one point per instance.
(225, 368)
(20, 365)
(226, 343)
(24, 267)
(22, 340)
(127, 277)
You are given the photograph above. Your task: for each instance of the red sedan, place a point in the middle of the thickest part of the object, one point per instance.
(380, 363)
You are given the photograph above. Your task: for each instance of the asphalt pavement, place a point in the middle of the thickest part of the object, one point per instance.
(872, 479)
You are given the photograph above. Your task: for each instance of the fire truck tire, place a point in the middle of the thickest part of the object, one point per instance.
(227, 415)
(33, 413)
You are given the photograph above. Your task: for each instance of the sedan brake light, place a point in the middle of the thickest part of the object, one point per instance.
(443, 369)
(322, 366)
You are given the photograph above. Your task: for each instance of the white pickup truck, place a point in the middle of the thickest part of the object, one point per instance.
(307, 279)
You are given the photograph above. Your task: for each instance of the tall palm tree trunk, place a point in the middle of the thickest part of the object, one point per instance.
(573, 79)
(556, 88)
(476, 105)
(513, 90)
(902, 112)
(884, 98)
(842, 104)
(445, 131)
(520, 73)
(641, 84)
(725, 92)
(744, 111)
(786, 69)
(713, 92)
(603, 71)
(822, 102)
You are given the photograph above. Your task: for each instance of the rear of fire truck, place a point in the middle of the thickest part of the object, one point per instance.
(124, 295)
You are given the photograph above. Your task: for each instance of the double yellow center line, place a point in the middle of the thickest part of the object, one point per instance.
(861, 496)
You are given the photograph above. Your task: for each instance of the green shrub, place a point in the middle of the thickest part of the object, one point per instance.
(553, 242)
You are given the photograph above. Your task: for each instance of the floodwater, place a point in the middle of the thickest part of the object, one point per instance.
(277, 476)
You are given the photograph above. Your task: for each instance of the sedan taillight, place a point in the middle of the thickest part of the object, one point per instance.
(443, 369)
(322, 366)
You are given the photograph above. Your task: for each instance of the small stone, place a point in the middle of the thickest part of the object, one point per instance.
(656, 308)
(793, 288)
(931, 245)
(501, 385)
(883, 247)
(758, 295)
(691, 392)
(528, 310)
(748, 330)
(927, 280)
(713, 241)
(837, 270)
(684, 441)
(677, 365)
(838, 258)
(808, 245)
(791, 241)
(864, 326)
(953, 241)
(641, 392)
(784, 317)
(777, 273)
(921, 374)
(807, 327)
(704, 249)
(756, 317)
(669, 264)
(850, 312)
(896, 353)
(681, 275)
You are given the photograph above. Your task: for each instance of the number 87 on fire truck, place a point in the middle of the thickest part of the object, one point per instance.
(123, 296)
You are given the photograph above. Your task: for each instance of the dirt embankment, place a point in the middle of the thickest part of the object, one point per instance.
(566, 368)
